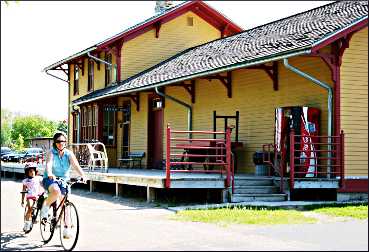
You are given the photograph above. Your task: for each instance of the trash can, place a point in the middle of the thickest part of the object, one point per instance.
(261, 169)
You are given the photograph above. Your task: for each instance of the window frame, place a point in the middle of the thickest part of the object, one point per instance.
(91, 70)
(76, 80)
(108, 69)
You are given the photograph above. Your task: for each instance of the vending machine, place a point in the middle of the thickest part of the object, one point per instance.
(305, 122)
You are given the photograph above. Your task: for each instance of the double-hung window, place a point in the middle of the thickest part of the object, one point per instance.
(108, 127)
(76, 79)
(90, 84)
(108, 69)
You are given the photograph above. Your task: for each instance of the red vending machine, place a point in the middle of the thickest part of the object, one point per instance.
(305, 122)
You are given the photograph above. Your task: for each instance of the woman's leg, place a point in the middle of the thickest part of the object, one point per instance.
(54, 193)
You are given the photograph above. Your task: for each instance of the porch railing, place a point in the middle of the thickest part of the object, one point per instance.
(316, 157)
(185, 154)
(90, 155)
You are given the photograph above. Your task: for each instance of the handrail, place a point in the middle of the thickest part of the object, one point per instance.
(220, 153)
(321, 157)
(278, 169)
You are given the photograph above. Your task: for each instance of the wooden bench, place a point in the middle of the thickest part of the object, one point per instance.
(132, 157)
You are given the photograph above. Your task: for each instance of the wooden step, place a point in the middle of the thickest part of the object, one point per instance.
(247, 197)
(256, 189)
(253, 181)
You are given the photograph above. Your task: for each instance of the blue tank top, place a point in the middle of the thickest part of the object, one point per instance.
(61, 165)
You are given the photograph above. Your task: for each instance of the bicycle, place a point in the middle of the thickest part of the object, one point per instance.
(55, 220)
(36, 207)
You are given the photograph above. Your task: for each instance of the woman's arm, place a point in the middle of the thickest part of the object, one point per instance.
(49, 165)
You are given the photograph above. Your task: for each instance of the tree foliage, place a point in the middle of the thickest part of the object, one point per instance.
(6, 125)
(32, 126)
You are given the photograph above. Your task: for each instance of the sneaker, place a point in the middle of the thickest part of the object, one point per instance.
(27, 226)
(67, 233)
(44, 213)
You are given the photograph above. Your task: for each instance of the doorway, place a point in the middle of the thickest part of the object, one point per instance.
(155, 132)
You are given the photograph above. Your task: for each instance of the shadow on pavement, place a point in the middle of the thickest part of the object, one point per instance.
(14, 241)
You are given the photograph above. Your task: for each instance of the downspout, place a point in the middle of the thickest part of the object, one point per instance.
(107, 63)
(189, 113)
(330, 96)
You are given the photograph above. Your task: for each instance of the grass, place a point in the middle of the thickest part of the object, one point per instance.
(354, 211)
(264, 216)
(244, 215)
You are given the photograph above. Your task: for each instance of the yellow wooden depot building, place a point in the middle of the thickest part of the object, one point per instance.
(121, 90)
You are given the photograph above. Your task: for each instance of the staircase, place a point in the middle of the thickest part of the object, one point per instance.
(256, 188)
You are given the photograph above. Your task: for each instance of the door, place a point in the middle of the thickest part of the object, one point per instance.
(155, 132)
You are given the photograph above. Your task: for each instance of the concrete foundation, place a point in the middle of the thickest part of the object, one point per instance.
(352, 196)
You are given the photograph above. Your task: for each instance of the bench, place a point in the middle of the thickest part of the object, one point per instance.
(132, 157)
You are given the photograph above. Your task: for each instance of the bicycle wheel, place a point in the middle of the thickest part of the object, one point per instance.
(69, 220)
(47, 229)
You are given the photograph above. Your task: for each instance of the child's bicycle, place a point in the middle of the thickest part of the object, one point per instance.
(57, 219)
(36, 207)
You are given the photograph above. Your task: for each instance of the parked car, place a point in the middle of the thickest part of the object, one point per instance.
(5, 150)
(28, 155)
(9, 157)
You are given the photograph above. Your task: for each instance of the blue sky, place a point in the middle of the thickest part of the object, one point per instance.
(37, 34)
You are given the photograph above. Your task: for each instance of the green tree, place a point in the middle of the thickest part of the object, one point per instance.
(32, 126)
(6, 125)
(19, 143)
(62, 126)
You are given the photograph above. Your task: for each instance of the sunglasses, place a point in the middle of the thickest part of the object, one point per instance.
(60, 141)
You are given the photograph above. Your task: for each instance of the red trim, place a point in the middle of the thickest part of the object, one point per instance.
(354, 185)
(343, 33)
(203, 10)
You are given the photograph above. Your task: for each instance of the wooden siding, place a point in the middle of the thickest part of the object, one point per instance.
(175, 36)
(354, 104)
(254, 97)
(138, 139)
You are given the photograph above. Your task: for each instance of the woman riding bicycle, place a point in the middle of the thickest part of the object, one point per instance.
(58, 164)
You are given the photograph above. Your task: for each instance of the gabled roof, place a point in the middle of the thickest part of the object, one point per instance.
(294, 35)
(200, 8)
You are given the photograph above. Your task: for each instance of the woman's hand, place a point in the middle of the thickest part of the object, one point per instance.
(51, 176)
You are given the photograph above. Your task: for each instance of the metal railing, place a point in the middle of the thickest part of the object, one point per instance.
(316, 157)
(90, 155)
(186, 154)
(276, 164)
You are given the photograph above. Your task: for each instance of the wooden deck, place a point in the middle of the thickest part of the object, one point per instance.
(148, 178)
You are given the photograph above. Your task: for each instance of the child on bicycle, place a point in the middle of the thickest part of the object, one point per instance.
(33, 185)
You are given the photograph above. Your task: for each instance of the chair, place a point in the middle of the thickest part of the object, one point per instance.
(96, 155)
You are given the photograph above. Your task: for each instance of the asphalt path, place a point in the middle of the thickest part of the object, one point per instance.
(110, 223)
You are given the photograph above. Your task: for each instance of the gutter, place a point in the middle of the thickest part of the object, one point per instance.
(330, 96)
(106, 63)
(220, 70)
(189, 113)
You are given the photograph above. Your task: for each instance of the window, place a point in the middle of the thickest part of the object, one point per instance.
(108, 69)
(89, 123)
(108, 127)
(189, 21)
(76, 78)
(90, 85)
(75, 127)
(126, 128)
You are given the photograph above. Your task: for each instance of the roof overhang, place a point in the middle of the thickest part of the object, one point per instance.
(302, 51)
(66, 60)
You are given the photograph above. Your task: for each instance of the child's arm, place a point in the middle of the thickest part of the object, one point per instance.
(23, 189)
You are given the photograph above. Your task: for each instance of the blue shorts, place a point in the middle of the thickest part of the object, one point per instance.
(64, 188)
